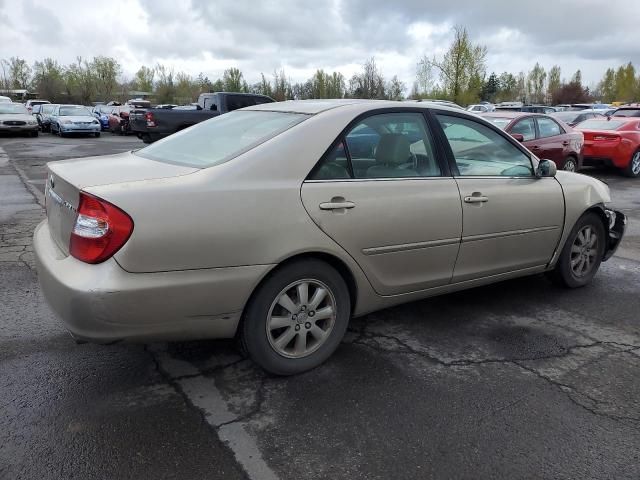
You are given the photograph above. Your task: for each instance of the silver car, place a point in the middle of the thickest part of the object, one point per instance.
(14, 117)
(277, 223)
(66, 119)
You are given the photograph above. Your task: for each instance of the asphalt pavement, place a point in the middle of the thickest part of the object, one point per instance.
(514, 380)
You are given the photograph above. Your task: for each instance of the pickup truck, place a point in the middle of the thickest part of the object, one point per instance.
(155, 123)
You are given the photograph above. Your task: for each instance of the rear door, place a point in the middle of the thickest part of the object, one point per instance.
(384, 194)
(512, 220)
(551, 141)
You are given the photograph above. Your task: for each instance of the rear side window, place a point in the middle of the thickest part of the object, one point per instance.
(480, 151)
(220, 139)
(389, 145)
(548, 128)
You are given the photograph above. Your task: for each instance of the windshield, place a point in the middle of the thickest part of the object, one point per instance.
(220, 139)
(12, 108)
(500, 122)
(600, 125)
(46, 108)
(74, 111)
(627, 112)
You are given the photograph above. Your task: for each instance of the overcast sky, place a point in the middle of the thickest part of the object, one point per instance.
(300, 36)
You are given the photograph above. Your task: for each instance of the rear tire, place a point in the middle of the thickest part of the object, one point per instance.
(305, 331)
(35, 133)
(97, 134)
(570, 164)
(633, 168)
(582, 254)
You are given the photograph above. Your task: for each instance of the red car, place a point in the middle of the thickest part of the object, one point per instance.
(547, 137)
(119, 119)
(614, 142)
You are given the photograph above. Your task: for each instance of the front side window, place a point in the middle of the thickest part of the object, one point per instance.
(548, 128)
(525, 127)
(220, 139)
(478, 150)
(387, 145)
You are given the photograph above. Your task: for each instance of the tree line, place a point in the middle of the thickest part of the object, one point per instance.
(460, 75)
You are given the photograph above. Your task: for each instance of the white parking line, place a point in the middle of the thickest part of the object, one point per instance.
(203, 394)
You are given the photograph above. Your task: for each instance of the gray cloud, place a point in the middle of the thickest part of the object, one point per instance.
(300, 36)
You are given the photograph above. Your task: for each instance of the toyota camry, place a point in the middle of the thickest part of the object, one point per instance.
(277, 223)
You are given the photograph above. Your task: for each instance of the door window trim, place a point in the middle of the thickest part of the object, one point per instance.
(440, 154)
(453, 166)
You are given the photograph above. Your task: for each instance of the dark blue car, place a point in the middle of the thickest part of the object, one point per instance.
(101, 112)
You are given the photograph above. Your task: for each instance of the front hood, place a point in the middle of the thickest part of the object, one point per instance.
(79, 118)
(13, 117)
(594, 189)
(120, 168)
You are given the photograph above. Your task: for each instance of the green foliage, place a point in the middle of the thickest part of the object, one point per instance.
(143, 80)
(369, 83)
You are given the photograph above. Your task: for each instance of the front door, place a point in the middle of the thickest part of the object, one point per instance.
(551, 141)
(512, 220)
(383, 194)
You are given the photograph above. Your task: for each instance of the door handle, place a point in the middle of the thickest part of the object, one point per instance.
(336, 205)
(565, 143)
(476, 199)
(535, 147)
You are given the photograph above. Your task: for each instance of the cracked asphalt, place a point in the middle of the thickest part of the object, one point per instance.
(514, 380)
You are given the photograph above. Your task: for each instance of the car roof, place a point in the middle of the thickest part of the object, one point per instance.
(511, 114)
(312, 107)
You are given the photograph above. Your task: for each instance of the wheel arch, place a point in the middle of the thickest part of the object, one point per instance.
(341, 267)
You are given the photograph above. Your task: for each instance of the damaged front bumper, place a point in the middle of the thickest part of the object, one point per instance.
(617, 227)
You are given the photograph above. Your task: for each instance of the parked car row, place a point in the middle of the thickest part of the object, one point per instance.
(573, 139)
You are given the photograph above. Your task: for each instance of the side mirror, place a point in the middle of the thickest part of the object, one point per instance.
(546, 168)
(518, 136)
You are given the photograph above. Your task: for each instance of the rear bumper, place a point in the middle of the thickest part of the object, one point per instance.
(103, 303)
(617, 228)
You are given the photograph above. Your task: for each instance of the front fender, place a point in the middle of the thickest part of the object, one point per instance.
(581, 193)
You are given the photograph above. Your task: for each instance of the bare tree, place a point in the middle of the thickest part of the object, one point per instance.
(369, 83)
(461, 67)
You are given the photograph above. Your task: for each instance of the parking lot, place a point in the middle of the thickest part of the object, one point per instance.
(520, 379)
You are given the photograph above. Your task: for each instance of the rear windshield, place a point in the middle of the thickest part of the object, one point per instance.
(600, 124)
(12, 108)
(500, 122)
(220, 139)
(627, 112)
(567, 116)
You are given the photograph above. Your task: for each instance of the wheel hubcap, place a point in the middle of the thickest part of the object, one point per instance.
(635, 163)
(570, 166)
(301, 318)
(584, 251)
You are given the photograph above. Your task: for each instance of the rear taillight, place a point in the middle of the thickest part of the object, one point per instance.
(150, 120)
(606, 138)
(101, 229)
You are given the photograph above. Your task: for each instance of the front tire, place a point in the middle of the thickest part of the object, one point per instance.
(582, 253)
(633, 169)
(297, 318)
(97, 134)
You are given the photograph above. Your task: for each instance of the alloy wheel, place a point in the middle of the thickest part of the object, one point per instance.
(301, 318)
(570, 165)
(635, 163)
(584, 251)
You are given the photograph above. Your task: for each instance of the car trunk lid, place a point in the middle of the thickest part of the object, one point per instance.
(67, 178)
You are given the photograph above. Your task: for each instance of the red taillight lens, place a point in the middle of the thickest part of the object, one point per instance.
(606, 138)
(150, 121)
(101, 229)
